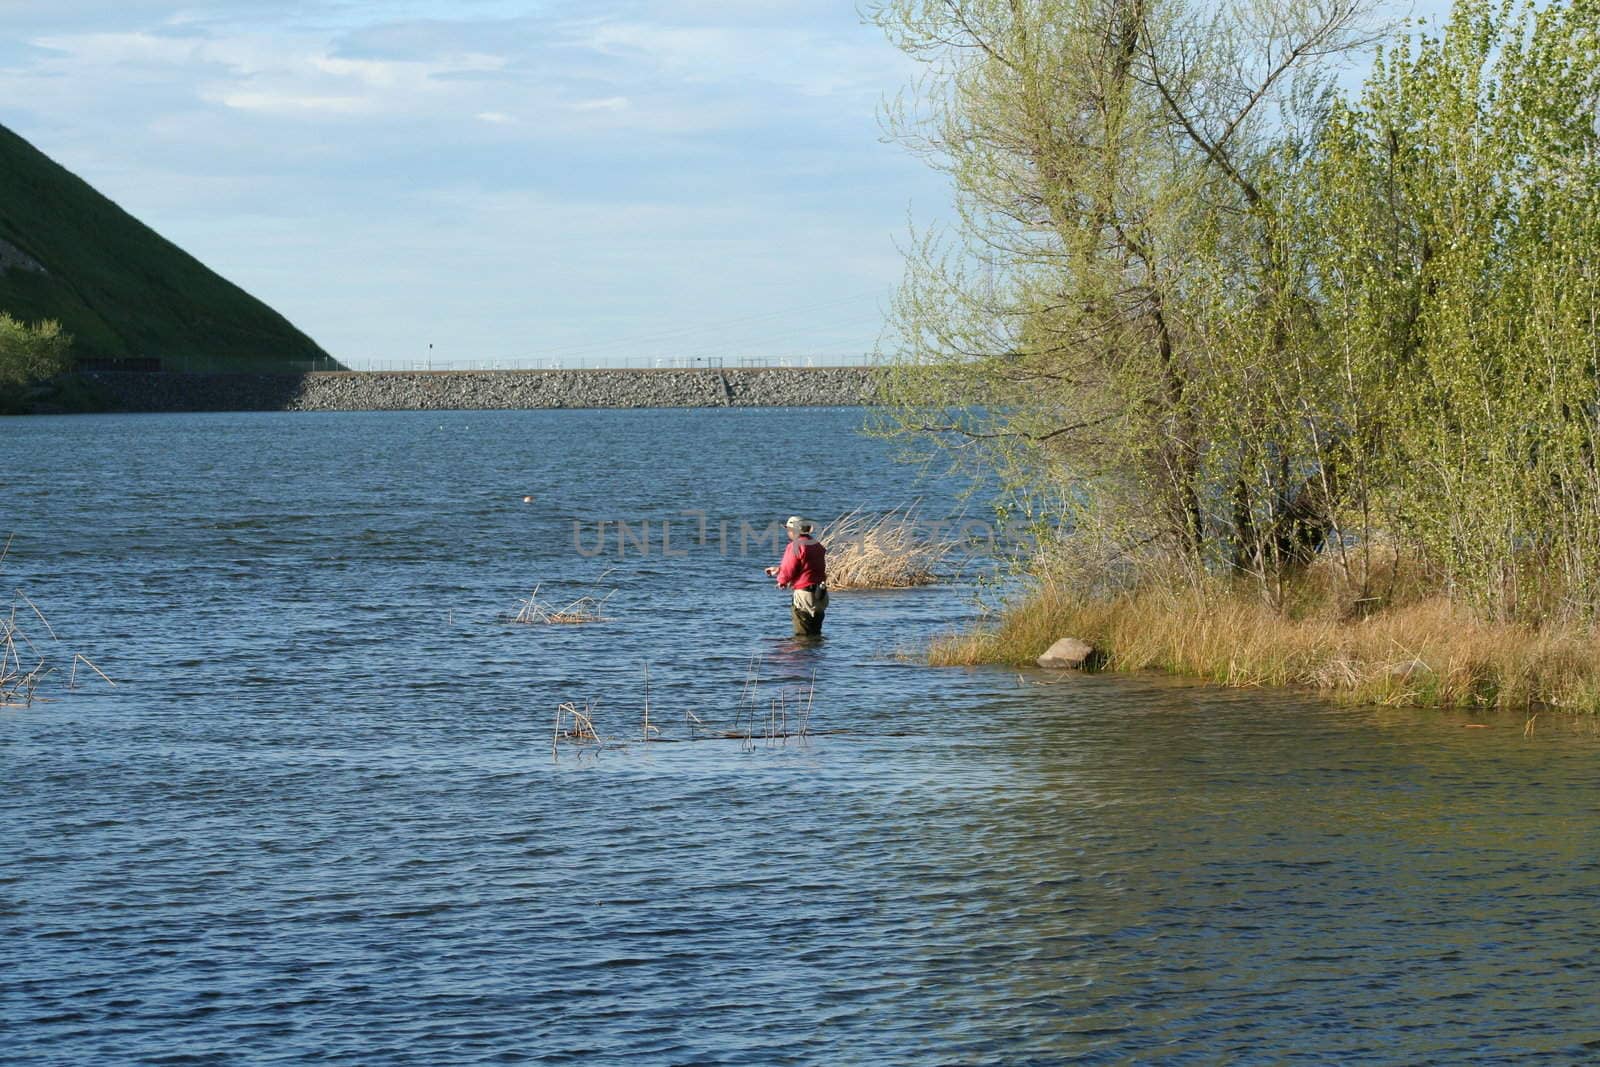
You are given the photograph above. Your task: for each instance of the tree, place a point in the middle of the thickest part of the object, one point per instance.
(1119, 322)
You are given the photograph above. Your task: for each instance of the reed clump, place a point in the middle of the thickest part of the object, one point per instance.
(25, 663)
(19, 677)
(537, 612)
(889, 551)
(1429, 652)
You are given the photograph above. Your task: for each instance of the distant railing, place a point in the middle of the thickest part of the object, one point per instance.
(616, 363)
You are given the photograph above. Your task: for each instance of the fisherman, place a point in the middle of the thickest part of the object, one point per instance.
(805, 570)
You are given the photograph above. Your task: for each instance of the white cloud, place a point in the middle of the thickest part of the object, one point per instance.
(285, 75)
(808, 60)
(284, 104)
(412, 75)
(101, 50)
(609, 103)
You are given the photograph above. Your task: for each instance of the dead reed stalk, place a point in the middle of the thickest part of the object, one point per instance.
(777, 727)
(648, 729)
(575, 726)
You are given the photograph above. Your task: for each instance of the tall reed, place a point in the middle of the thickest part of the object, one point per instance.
(889, 551)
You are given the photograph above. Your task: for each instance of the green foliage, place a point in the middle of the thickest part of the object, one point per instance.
(1457, 214)
(1214, 315)
(117, 286)
(30, 354)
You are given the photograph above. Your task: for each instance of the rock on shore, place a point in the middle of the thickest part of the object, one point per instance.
(1068, 653)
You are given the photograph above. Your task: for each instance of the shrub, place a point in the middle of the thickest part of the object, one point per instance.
(30, 354)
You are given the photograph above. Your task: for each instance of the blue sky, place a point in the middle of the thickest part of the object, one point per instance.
(538, 181)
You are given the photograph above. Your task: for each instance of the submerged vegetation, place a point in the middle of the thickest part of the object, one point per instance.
(762, 715)
(1230, 338)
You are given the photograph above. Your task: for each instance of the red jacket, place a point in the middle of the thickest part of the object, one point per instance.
(803, 564)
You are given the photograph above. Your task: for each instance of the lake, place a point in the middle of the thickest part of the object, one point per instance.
(319, 818)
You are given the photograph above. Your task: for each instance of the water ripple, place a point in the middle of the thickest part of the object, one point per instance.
(319, 821)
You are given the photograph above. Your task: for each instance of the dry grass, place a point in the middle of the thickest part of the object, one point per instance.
(887, 552)
(1429, 652)
(585, 609)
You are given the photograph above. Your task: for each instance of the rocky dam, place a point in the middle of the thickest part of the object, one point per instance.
(486, 390)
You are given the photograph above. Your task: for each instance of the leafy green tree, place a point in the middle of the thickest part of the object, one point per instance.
(1453, 214)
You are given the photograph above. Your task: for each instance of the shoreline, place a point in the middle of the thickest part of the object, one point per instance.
(429, 390)
(1430, 653)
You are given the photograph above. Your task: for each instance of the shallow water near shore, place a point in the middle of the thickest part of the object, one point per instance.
(319, 818)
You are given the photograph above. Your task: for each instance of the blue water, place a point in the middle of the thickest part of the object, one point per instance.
(319, 819)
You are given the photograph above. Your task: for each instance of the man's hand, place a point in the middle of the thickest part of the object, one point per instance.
(771, 571)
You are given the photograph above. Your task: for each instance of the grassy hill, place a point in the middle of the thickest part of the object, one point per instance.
(120, 288)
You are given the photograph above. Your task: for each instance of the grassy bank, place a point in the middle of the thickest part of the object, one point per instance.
(1430, 653)
(69, 254)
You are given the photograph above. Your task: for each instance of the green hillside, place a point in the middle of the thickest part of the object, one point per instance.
(120, 288)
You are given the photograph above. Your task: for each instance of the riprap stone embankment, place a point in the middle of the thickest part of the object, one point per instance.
(483, 390)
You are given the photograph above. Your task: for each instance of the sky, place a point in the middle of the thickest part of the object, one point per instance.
(498, 181)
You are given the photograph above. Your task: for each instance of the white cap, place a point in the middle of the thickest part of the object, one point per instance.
(797, 523)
